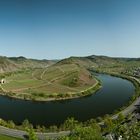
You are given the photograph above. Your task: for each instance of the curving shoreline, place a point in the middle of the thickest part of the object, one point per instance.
(67, 96)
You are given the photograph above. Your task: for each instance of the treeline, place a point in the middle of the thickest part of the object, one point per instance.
(93, 129)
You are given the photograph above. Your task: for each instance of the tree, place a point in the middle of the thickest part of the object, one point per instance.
(11, 124)
(26, 124)
(70, 123)
(86, 133)
(31, 134)
(92, 132)
(120, 118)
(108, 124)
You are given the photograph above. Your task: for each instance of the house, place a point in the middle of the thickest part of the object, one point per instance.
(137, 116)
(109, 137)
(2, 81)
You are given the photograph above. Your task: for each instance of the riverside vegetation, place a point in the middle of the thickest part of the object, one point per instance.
(91, 130)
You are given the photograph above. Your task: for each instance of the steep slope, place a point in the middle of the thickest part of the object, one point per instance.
(72, 75)
(127, 66)
(7, 65)
(16, 63)
(80, 61)
(63, 80)
(23, 62)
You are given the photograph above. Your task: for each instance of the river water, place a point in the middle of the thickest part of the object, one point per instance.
(115, 93)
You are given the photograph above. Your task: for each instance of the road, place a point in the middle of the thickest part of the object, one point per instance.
(23, 134)
(132, 107)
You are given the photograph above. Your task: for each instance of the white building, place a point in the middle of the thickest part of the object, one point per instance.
(2, 81)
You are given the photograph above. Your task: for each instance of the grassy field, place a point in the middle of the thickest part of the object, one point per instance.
(3, 137)
(49, 82)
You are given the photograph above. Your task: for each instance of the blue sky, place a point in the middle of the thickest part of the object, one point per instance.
(52, 29)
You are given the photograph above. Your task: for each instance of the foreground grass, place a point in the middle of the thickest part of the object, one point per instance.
(3, 137)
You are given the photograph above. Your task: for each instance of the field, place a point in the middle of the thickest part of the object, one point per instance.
(3, 137)
(49, 82)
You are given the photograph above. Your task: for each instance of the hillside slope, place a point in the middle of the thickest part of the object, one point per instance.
(57, 81)
(16, 63)
(24, 62)
(7, 65)
(68, 78)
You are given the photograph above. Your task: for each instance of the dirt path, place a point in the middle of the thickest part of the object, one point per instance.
(41, 76)
(61, 69)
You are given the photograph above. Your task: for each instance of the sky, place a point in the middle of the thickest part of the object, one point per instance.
(55, 29)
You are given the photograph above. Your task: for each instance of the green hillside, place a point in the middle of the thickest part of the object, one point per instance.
(23, 62)
(67, 78)
(43, 80)
(7, 65)
(17, 63)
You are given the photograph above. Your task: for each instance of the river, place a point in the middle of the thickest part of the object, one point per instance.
(115, 93)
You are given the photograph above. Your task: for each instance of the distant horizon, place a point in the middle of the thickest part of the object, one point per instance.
(57, 29)
(100, 55)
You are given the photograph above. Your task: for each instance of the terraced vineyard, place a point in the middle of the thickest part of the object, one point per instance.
(49, 82)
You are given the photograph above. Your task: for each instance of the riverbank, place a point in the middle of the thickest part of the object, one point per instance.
(134, 98)
(56, 97)
(58, 82)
